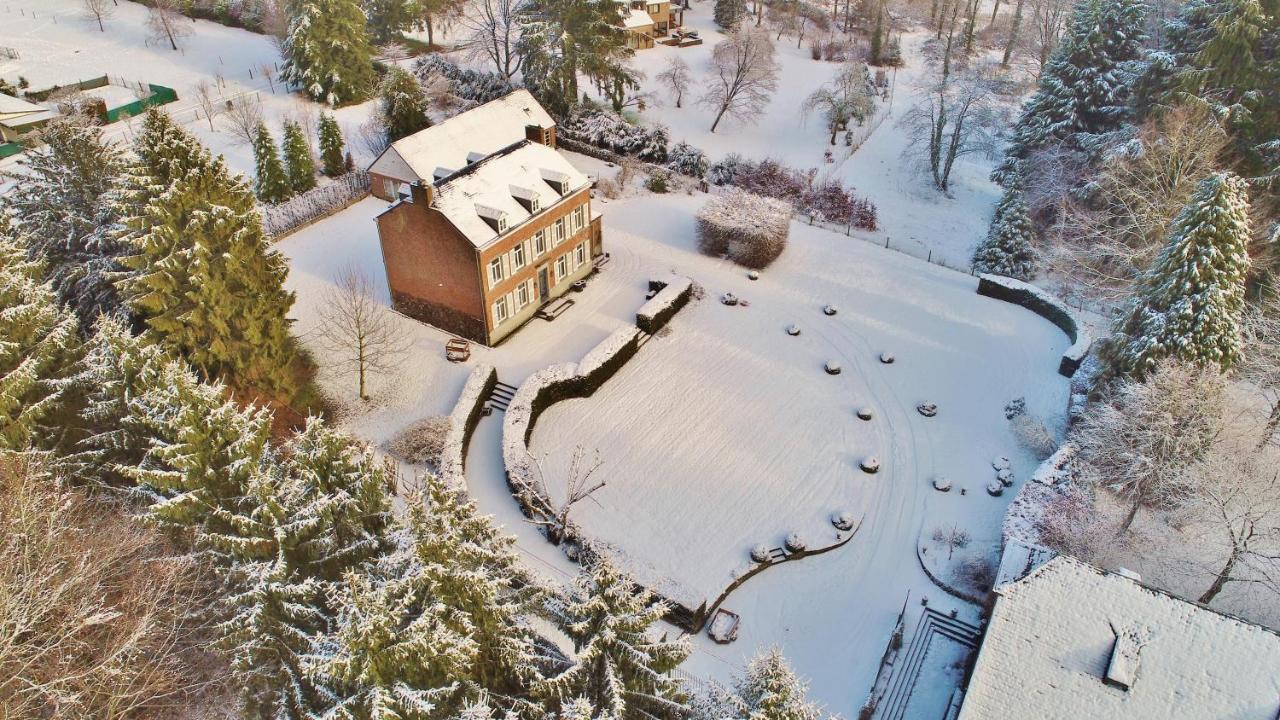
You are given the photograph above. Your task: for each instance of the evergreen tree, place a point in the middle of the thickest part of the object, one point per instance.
(464, 562)
(300, 168)
(1007, 249)
(389, 18)
(271, 182)
(201, 454)
(404, 105)
(166, 153)
(620, 668)
(393, 656)
(207, 285)
(1190, 302)
(67, 207)
(117, 369)
(332, 146)
(327, 51)
(562, 38)
(768, 690)
(39, 352)
(1084, 87)
(728, 13)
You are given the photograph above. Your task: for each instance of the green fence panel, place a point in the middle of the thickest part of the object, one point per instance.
(10, 149)
(160, 95)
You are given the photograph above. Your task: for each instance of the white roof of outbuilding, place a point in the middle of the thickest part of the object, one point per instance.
(477, 132)
(12, 107)
(1055, 634)
(490, 187)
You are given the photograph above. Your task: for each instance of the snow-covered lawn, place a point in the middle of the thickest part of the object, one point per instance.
(913, 215)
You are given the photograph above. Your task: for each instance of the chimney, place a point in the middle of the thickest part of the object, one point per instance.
(420, 194)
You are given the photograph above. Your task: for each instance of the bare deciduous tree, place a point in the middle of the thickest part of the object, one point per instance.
(958, 116)
(849, 96)
(1261, 364)
(166, 23)
(1048, 18)
(578, 487)
(98, 10)
(242, 117)
(744, 74)
(491, 30)
(1141, 440)
(207, 100)
(677, 77)
(361, 331)
(953, 538)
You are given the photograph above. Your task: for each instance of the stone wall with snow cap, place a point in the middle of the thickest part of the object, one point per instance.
(1047, 306)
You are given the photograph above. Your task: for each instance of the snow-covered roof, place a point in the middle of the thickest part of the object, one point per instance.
(12, 107)
(463, 138)
(1071, 641)
(637, 19)
(490, 188)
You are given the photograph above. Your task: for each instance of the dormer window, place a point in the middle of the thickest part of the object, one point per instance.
(441, 173)
(497, 219)
(474, 157)
(527, 198)
(557, 180)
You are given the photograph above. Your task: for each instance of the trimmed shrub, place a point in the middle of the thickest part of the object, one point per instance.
(422, 443)
(725, 172)
(749, 229)
(687, 160)
(657, 182)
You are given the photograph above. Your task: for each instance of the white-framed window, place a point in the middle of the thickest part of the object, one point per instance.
(562, 267)
(502, 224)
(579, 217)
(517, 257)
(539, 243)
(524, 293)
(496, 271)
(535, 204)
(500, 310)
(557, 232)
(580, 254)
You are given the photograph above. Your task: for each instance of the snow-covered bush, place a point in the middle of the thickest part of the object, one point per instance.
(794, 542)
(422, 442)
(770, 178)
(1033, 435)
(749, 229)
(826, 200)
(658, 182)
(471, 85)
(687, 160)
(611, 131)
(977, 574)
(725, 172)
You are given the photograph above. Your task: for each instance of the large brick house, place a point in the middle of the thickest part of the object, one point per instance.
(646, 20)
(487, 222)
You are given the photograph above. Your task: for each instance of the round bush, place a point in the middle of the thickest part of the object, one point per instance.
(794, 542)
(748, 229)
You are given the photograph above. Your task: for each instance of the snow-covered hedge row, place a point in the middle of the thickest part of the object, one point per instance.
(318, 202)
(470, 85)
(613, 350)
(1022, 519)
(826, 200)
(609, 130)
(1047, 306)
(251, 15)
(749, 229)
(673, 294)
(463, 420)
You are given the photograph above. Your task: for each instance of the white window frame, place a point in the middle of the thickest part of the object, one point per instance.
(580, 254)
(500, 311)
(526, 289)
(518, 257)
(497, 271)
(502, 224)
(535, 204)
(579, 217)
(558, 234)
(540, 243)
(562, 267)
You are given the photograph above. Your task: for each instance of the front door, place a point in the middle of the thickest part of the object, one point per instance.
(544, 287)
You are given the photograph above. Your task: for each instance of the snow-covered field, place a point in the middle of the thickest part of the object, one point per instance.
(913, 215)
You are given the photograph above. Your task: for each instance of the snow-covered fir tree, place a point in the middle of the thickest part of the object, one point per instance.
(117, 369)
(327, 51)
(1190, 301)
(728, 13)
(462, 560)
(394, 655)
(39, 351)
(201, 454)
(332, 146)
(403, 104)
(66, 206)
(563, 38)
(207, 285)
(620, 667)
(298, 163)
(1007, 249)
(389, 18)
(768, 690)
(1085, 86)
(270, 181)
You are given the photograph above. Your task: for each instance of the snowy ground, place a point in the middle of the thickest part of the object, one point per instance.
(913, 215)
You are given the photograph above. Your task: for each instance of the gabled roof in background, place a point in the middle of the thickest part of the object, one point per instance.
(12, 107)
(1070, 641)
(492, 186)
(477, 132)
(636, 19)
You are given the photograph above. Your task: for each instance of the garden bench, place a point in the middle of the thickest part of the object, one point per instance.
(554, 309)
